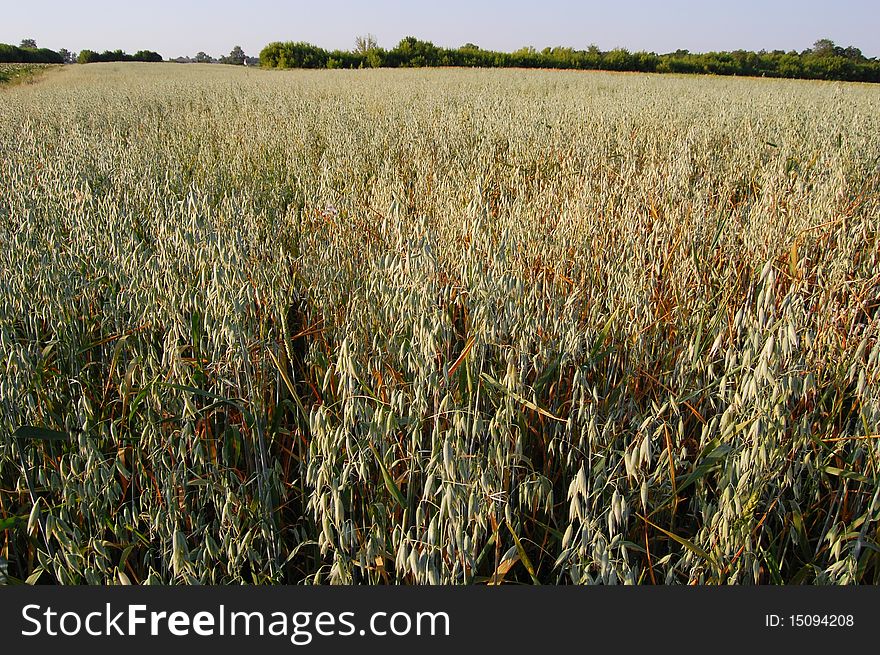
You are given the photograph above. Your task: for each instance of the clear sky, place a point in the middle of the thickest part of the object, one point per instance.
(175, 28)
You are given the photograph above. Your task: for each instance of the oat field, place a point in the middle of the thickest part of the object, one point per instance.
(438, 327)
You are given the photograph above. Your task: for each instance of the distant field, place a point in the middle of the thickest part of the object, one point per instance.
(438, 326)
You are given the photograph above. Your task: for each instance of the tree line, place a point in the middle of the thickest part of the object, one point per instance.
(91, 57)
(824, 61)
(28, 53)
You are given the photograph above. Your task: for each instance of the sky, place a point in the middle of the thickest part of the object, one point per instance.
(180, 28)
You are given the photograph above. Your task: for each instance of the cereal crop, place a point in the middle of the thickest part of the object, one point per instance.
(438, 327)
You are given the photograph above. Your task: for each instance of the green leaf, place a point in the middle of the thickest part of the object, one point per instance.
(33, 577)
(200, 392)
(34, 518)
(602, 337)
(179, 553)
(524, 401)
(801, 537)
(549, 373)
(847, 475)
(124, 557)
(11, 522)
(523, 555)
(709, 460)
(721, 223)
(773, 569)
(681, 540)
(389, 481)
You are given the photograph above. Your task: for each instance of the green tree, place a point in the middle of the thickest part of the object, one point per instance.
(413, 52)
(367, 48)
(293, 55)
(851, 52)
(146, 55)
(236, 57)
(618, 59)
(203, 58)
(28, 43)
(364, 44)
(823, 48)
(87, 57)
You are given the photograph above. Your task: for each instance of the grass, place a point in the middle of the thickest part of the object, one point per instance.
(22, 73)
(434, 326)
